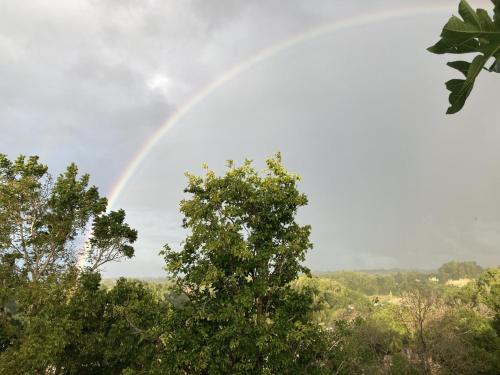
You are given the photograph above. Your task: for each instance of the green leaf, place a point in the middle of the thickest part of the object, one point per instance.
(457, 96)
(443, 46)
(461, 89)
(495, 67)
(468, 14)
(458, 32)
(475, 33)
(461, 66)
(496, 11)
(485, 20)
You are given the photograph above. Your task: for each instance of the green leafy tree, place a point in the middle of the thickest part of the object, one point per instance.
(332, 301)
(114, 330)
(366, 346)
(77, 327)
(9, 282)
(488, 286)
(463, 342)
(53, 315)
(241, 315)
(478, 33)
(459, 270)
(419, 307)
(42, 221)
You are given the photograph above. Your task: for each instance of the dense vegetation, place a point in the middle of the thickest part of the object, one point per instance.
(237, 299)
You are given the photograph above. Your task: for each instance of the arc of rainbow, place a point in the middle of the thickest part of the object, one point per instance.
(246, 65)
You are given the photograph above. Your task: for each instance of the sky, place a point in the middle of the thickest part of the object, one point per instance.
(358, 112)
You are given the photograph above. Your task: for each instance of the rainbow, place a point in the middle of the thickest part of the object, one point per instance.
(235, 71)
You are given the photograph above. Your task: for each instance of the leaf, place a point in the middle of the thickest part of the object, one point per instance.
(468, 14)
(496, 11)
(458, 32)
(461, 66)
(461, 89)
(475, 32)
(443, 46)
(495, 67)
(457, 98)
(485, 20)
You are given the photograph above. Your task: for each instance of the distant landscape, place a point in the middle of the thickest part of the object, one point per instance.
(383, 321)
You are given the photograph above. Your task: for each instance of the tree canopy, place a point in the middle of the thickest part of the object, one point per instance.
(43, 222)
(235, 267)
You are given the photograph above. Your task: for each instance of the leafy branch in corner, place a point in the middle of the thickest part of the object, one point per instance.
(475, 33)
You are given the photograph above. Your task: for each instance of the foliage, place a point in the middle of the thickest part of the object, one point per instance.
(332, 301)
(9, 282)
(476, 32)
(433, 328)
(42, 221)
(459, 270)
(245, 247)
(111, 239)
(72, 326)
(419, 307)
(365, 346)
(54, 318)
(376, 284)
(488, 286)
(463, 342)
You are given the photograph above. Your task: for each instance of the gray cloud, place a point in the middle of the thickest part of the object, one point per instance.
(390, 183)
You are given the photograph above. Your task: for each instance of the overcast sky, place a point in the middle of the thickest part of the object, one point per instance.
(359, 113)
